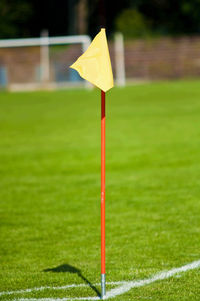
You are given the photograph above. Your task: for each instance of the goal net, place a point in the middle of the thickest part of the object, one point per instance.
(28, 64)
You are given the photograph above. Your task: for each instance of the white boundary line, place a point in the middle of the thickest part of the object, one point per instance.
(160, 276)
(123, 286)
(42, 288)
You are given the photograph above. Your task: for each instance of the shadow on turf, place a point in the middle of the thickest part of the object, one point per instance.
(66, 268)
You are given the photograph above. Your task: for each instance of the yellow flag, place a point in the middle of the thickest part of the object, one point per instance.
(94, 64)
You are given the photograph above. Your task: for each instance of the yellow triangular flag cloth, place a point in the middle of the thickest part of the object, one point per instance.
(94, 64)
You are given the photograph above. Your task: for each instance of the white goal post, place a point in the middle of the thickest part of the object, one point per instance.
(119, 59)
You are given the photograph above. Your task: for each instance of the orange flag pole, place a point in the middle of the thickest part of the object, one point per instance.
(94, 65)
(103, 264)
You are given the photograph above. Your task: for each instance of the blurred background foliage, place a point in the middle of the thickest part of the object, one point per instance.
(14, 16)
(133, 24)
(134, 18)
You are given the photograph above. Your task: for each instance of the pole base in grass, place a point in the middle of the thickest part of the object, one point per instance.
(103, 286)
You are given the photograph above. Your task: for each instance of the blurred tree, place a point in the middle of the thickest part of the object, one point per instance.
(81, 16)
(132, 24)
(170, 16)
(103, 13)
(22, 18)
(14, 15)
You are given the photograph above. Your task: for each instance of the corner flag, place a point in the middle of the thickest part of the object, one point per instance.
(94, 65)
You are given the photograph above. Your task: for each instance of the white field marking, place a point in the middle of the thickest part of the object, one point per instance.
(35, 289)
(160, 276)
(125, 286)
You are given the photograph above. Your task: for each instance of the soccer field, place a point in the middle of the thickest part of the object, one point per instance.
(50, 193)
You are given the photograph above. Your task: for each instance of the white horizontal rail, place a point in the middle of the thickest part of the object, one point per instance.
(82, 39)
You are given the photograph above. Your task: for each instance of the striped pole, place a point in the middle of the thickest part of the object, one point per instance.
(103, 265)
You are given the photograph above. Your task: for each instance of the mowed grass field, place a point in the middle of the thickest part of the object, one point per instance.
(50, 190)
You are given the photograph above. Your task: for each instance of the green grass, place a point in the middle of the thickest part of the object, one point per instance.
(50, 189)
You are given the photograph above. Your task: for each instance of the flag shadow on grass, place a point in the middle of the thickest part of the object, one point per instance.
(66, 268)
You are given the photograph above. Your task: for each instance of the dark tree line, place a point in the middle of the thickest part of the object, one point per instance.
(23, 18)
